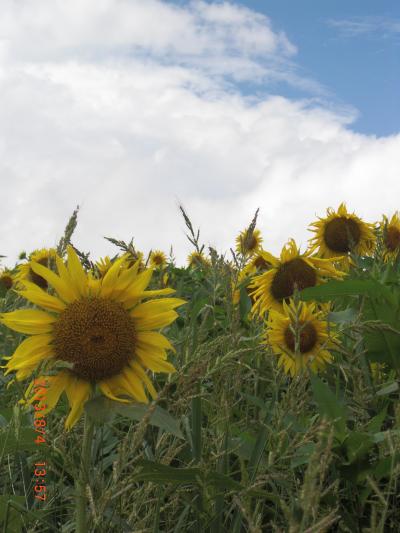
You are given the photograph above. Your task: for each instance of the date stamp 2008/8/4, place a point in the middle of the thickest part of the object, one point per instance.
(39, 422)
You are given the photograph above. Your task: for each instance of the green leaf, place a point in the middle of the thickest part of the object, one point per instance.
(337, 289)
(102, 409)
(375, 424)
(160, 474)
(244, 303)
(14, 518)
(329, 406)
(302, 455)
(342, 317)
(388, 389)
(358, 445)
(25, 442)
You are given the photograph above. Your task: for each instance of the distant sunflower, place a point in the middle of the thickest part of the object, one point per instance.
(6, 279)
(341, 232)
(101, 329)
(299, 336)
(248, 243)
(26, 273)
(158, 259)
(103, 265)
(292, 270)
(258, 263)
(391, 236)
(196, 259)
(136, 257)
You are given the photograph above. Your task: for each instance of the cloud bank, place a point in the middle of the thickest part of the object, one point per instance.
(129, 107)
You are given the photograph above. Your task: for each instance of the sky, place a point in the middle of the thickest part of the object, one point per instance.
(130, 108)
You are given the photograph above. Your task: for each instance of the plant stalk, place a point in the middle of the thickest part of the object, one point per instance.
(83, 477)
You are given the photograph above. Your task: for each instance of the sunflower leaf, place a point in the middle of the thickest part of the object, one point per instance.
(159, 417)
(329, 406)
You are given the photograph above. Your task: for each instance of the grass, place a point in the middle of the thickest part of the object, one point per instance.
(255, 450)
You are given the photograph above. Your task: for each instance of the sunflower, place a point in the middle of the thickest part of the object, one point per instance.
(299, 337)
(158, 259)
(341, 232)
(292, 270)
(26, 273)
(6, 279)
(101, 331)
(196, 259)
(248, 243)
(103, 265)
(258, 263)
(391, 236)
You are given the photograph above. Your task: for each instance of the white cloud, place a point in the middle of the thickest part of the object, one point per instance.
(379, 27)
(129, 107)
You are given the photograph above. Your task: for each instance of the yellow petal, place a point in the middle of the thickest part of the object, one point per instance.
(31, 345)
(154, 339)
(135, 290)
(40, 354)
(155, 322)
(138, 369)
(156, 307)
(76, 272)
(28, 321)
(107, 389)
(153, 363)
(41, 298)
(66, 292)
(56, 386)
(78, 392)
(131, 385)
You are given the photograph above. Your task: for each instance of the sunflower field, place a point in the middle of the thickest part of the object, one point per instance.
(239, 393)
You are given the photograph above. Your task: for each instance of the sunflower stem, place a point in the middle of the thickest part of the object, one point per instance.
(83, 477)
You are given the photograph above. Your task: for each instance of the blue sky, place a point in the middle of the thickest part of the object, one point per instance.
(351, 47)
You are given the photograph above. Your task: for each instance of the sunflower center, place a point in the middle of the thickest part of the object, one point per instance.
(341, 234)
(392, 239)
(97, 335)
(307, 338)
(158, 260)
(293, 274)
(261, 263)
(6, 281)
(35, 278)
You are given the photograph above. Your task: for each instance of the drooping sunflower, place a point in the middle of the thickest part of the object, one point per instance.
(391, 236)
(158, 259)
(26, 272)
(6, 279)
(292, 270)
(101, 330)
(248, 243)
(341, 232)
(196, 259)
(299, 336)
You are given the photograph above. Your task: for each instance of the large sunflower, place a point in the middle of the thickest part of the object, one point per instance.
(299, 336)
(341, 232)
(248, 243)
(291, 271)
(391, 236)
(100, 330)
(25, 272)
